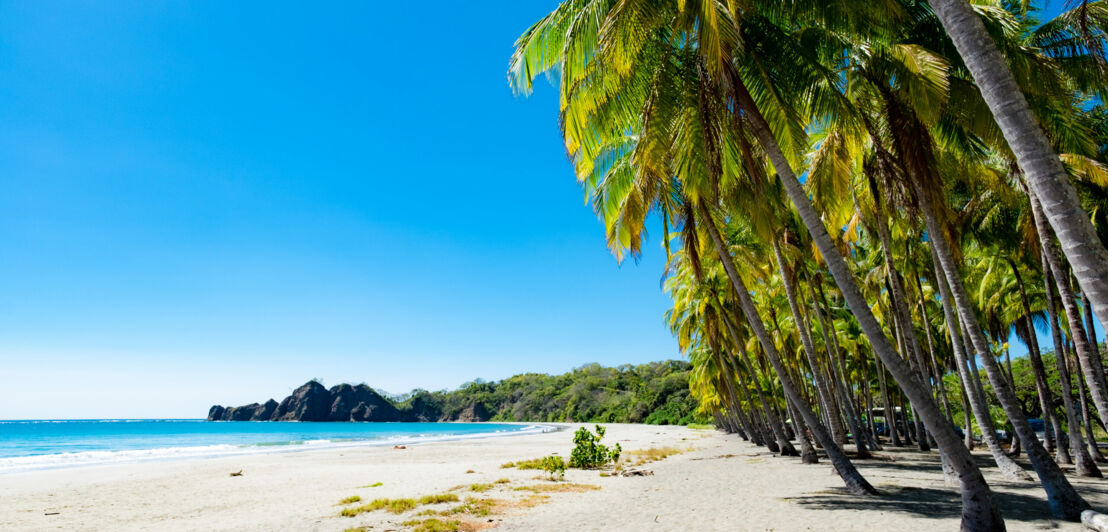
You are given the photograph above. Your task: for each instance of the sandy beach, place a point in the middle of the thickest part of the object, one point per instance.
(717, 482)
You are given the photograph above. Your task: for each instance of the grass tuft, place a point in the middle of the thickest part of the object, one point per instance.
(502, 481)
(480, 488)
(433, 525)
(534, 463)
(639, 457)
(560, 487)
(438, 499)
(351, 499)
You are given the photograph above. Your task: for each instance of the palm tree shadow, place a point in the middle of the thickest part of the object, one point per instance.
(924, 502)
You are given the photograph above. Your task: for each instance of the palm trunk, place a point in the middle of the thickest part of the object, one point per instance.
(1064, 500)
(979, 510)
(780, 440)
(1036, 359)
(976, 397)
(838, 433)
(1094, 379)
(890, 412)
(1083, 463)
(899, 301)
(764, 436)
(854, 480)
(841, 383)
(1040, 164)
(1086, 421)
(1094, 350)
(967, 407)
(807, 452)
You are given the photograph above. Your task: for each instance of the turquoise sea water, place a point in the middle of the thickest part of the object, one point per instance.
(39, 444)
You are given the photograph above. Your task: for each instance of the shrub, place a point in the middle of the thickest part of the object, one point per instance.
(589, 453)
(554, 465)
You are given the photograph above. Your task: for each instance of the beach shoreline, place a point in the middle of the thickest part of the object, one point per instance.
(715, 482)
(69, 460)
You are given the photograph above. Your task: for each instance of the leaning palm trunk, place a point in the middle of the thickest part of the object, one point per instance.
(1065, 502)
(854, 480)
(765, 436)
(1040, 164)
(1036, 359)
(841, 383)
(1092, 370)
(1094, 350)
(807, 452)
(966, 412)
(1083, 463)
(979, 511)
(896, 293)
(1090, 439)
(782, 444)
(1008, 467)
(822, 388)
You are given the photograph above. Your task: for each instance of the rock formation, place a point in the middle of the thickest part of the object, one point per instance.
(314, 402)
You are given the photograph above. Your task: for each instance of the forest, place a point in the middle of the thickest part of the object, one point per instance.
(654, 393)
(858, 202)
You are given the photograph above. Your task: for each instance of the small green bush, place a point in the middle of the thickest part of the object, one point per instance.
(589, 453)
(554, 465)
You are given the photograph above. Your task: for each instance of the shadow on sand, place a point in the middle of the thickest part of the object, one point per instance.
(938, 502)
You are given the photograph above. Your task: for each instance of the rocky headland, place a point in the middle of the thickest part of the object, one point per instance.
(344, 402)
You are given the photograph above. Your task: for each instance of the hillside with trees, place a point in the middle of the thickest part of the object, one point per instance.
(655, 393)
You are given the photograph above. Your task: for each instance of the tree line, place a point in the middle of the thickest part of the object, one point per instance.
(858, 201)
(654, 393)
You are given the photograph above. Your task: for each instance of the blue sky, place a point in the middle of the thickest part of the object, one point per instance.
(215, 202)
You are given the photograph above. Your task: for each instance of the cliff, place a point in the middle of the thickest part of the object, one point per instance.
(314, 402)
(655, 392)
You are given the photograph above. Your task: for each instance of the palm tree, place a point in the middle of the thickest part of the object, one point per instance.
(1044, 171)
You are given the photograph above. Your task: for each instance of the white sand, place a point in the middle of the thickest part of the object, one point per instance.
(724, 484)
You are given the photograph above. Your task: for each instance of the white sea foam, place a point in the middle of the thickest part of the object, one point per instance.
(90, 458)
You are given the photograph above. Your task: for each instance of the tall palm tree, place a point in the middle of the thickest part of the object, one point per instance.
(1044, 171)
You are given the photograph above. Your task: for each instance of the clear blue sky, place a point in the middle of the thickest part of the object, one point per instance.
(216, 201)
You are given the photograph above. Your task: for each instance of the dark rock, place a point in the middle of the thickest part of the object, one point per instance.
(360, 403)
(313, 402)
(310, 402)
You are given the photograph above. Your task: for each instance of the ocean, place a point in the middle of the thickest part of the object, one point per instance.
(48, 444)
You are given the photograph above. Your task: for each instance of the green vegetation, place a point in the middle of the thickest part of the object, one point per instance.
(374, 485)
(398, 506)
(554, 466)
(433, 525)
(534, 463)
(438, 499)
(351, 499)
(558, 487)
(655, 393)
(857, 200)
(474, 506)
(644, 456)
(479, 488)
(701, 426)
(589, 453)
